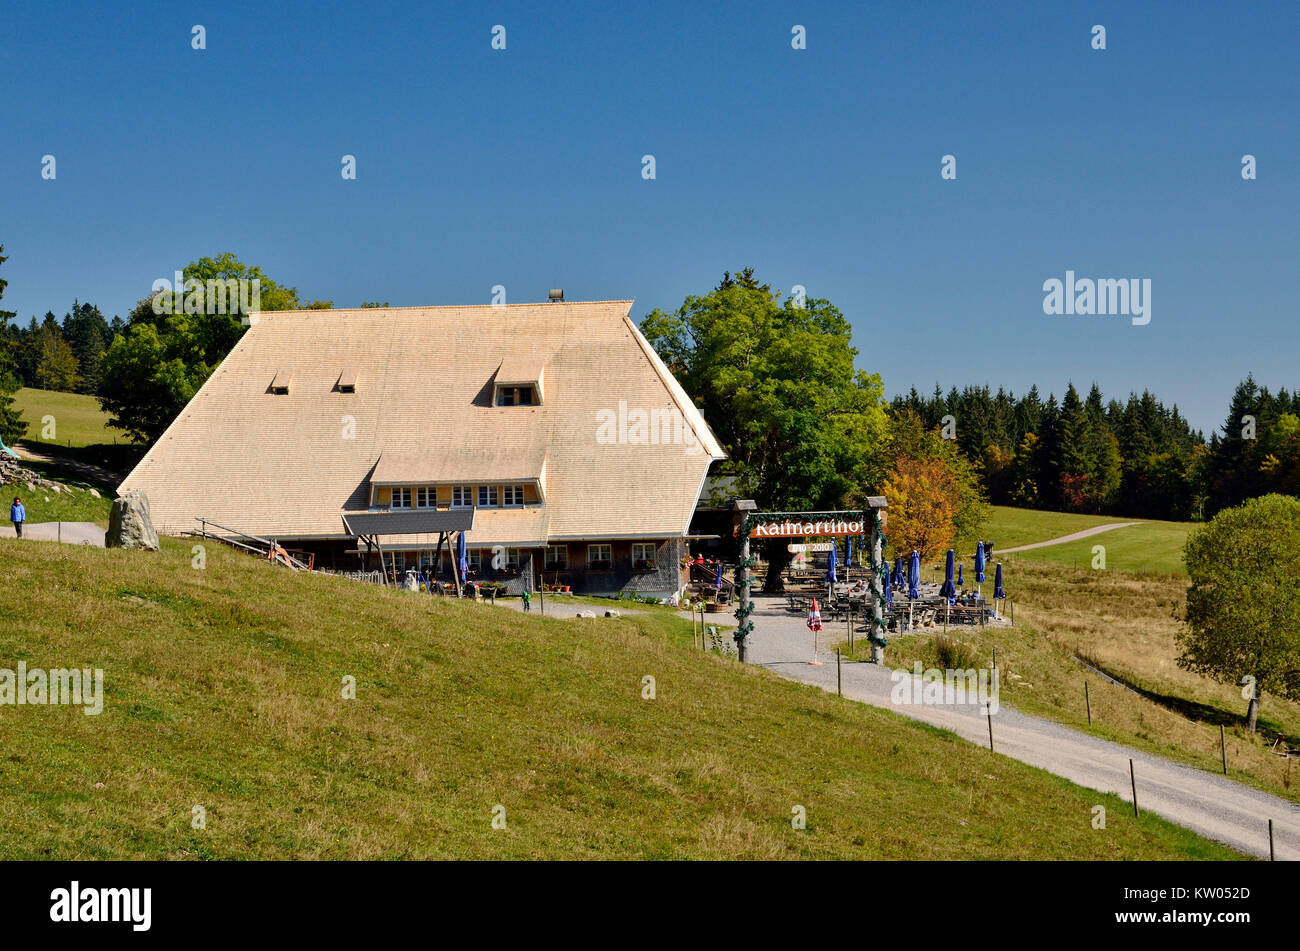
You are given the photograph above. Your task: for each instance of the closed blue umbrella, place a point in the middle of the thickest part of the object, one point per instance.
(461, 557)
(900, 576)
(889, 576)
(717, 582)
(997, 583)
(889, 595)
(960, 583)
(948, 590)
(848, 551)
(979, 566)
(830, 568)
(914, 576)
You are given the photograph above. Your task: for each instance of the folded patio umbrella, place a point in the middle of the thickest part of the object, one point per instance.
(997, 583)
(830, 568)
(914, 576)
(979, 563)
(948, 590)
(959, 581)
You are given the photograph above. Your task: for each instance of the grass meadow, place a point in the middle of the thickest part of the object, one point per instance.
(224, 689)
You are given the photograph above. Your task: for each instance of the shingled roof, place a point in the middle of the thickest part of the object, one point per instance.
(288, 463)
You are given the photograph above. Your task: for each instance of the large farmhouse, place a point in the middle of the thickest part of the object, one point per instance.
(551, 434)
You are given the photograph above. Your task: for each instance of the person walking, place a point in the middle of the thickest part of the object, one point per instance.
(528, 598)
(18, 515)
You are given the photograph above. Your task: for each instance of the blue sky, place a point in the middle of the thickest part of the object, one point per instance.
(818, 167)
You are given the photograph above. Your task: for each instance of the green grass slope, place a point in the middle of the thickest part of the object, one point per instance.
(224, 691)
(78, 419)
(1150, 546)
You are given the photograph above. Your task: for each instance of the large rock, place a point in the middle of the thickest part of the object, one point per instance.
(129, 524)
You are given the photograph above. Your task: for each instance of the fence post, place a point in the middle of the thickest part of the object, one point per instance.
(1132, 776)
(1087, 701)
(989, 713)
(839, 689)
(1223, 749)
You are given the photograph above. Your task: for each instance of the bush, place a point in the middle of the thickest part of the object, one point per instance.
(952, 654)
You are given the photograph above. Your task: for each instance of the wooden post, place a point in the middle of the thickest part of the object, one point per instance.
(739, 508)
(1223, 749)
(989, 713)
(839, 689)
(1087, 701)
(455, 572)
(1270, 841)
(1133, 779)
(383, 566)
(876, 624)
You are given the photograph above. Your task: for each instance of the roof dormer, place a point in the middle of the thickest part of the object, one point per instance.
(518, 382)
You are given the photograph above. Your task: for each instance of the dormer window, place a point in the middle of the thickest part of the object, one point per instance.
(280, 385)
(515, 396)
(518, 382)
(347, 381)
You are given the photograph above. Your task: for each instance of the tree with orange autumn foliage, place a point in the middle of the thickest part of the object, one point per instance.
(923, 502)
(933, 493)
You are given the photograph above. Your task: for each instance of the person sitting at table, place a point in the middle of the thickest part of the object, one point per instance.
(858, 588)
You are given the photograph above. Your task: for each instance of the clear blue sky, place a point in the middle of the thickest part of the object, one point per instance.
(817, 167)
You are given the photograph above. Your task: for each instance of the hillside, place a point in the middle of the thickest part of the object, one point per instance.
(223, 690)
(1124, 620)
(81, 432)
(78, 419)
(1150, 546)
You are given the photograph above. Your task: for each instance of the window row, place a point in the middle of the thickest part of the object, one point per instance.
(599, 558)
(462, 496)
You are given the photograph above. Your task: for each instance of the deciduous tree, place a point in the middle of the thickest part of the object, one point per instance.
(1243, 605)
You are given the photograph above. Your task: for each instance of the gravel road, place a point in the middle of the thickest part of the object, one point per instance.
(1214, 806)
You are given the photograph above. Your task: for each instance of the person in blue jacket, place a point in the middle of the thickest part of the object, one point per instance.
(18, 515)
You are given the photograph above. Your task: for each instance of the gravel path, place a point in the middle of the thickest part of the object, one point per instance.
(1211, 805)
(562, 608)
(71, 533)
(1086, 533)
(95, 474)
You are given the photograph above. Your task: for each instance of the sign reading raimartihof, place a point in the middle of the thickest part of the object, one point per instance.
(793, 528)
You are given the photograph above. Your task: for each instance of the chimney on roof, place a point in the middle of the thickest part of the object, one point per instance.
(557, 295)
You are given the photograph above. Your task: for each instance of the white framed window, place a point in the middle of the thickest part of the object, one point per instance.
(512, 495)
(462, 496)
(557, 558)
(474, 557)
(598, 557)
(487, 496)
(401, 499)
(512, 559)
(643, 555)
(426, 497)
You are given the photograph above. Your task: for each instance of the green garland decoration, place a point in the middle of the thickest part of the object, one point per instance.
(744, 610)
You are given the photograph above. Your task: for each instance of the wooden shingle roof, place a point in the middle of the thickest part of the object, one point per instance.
(288, 464)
